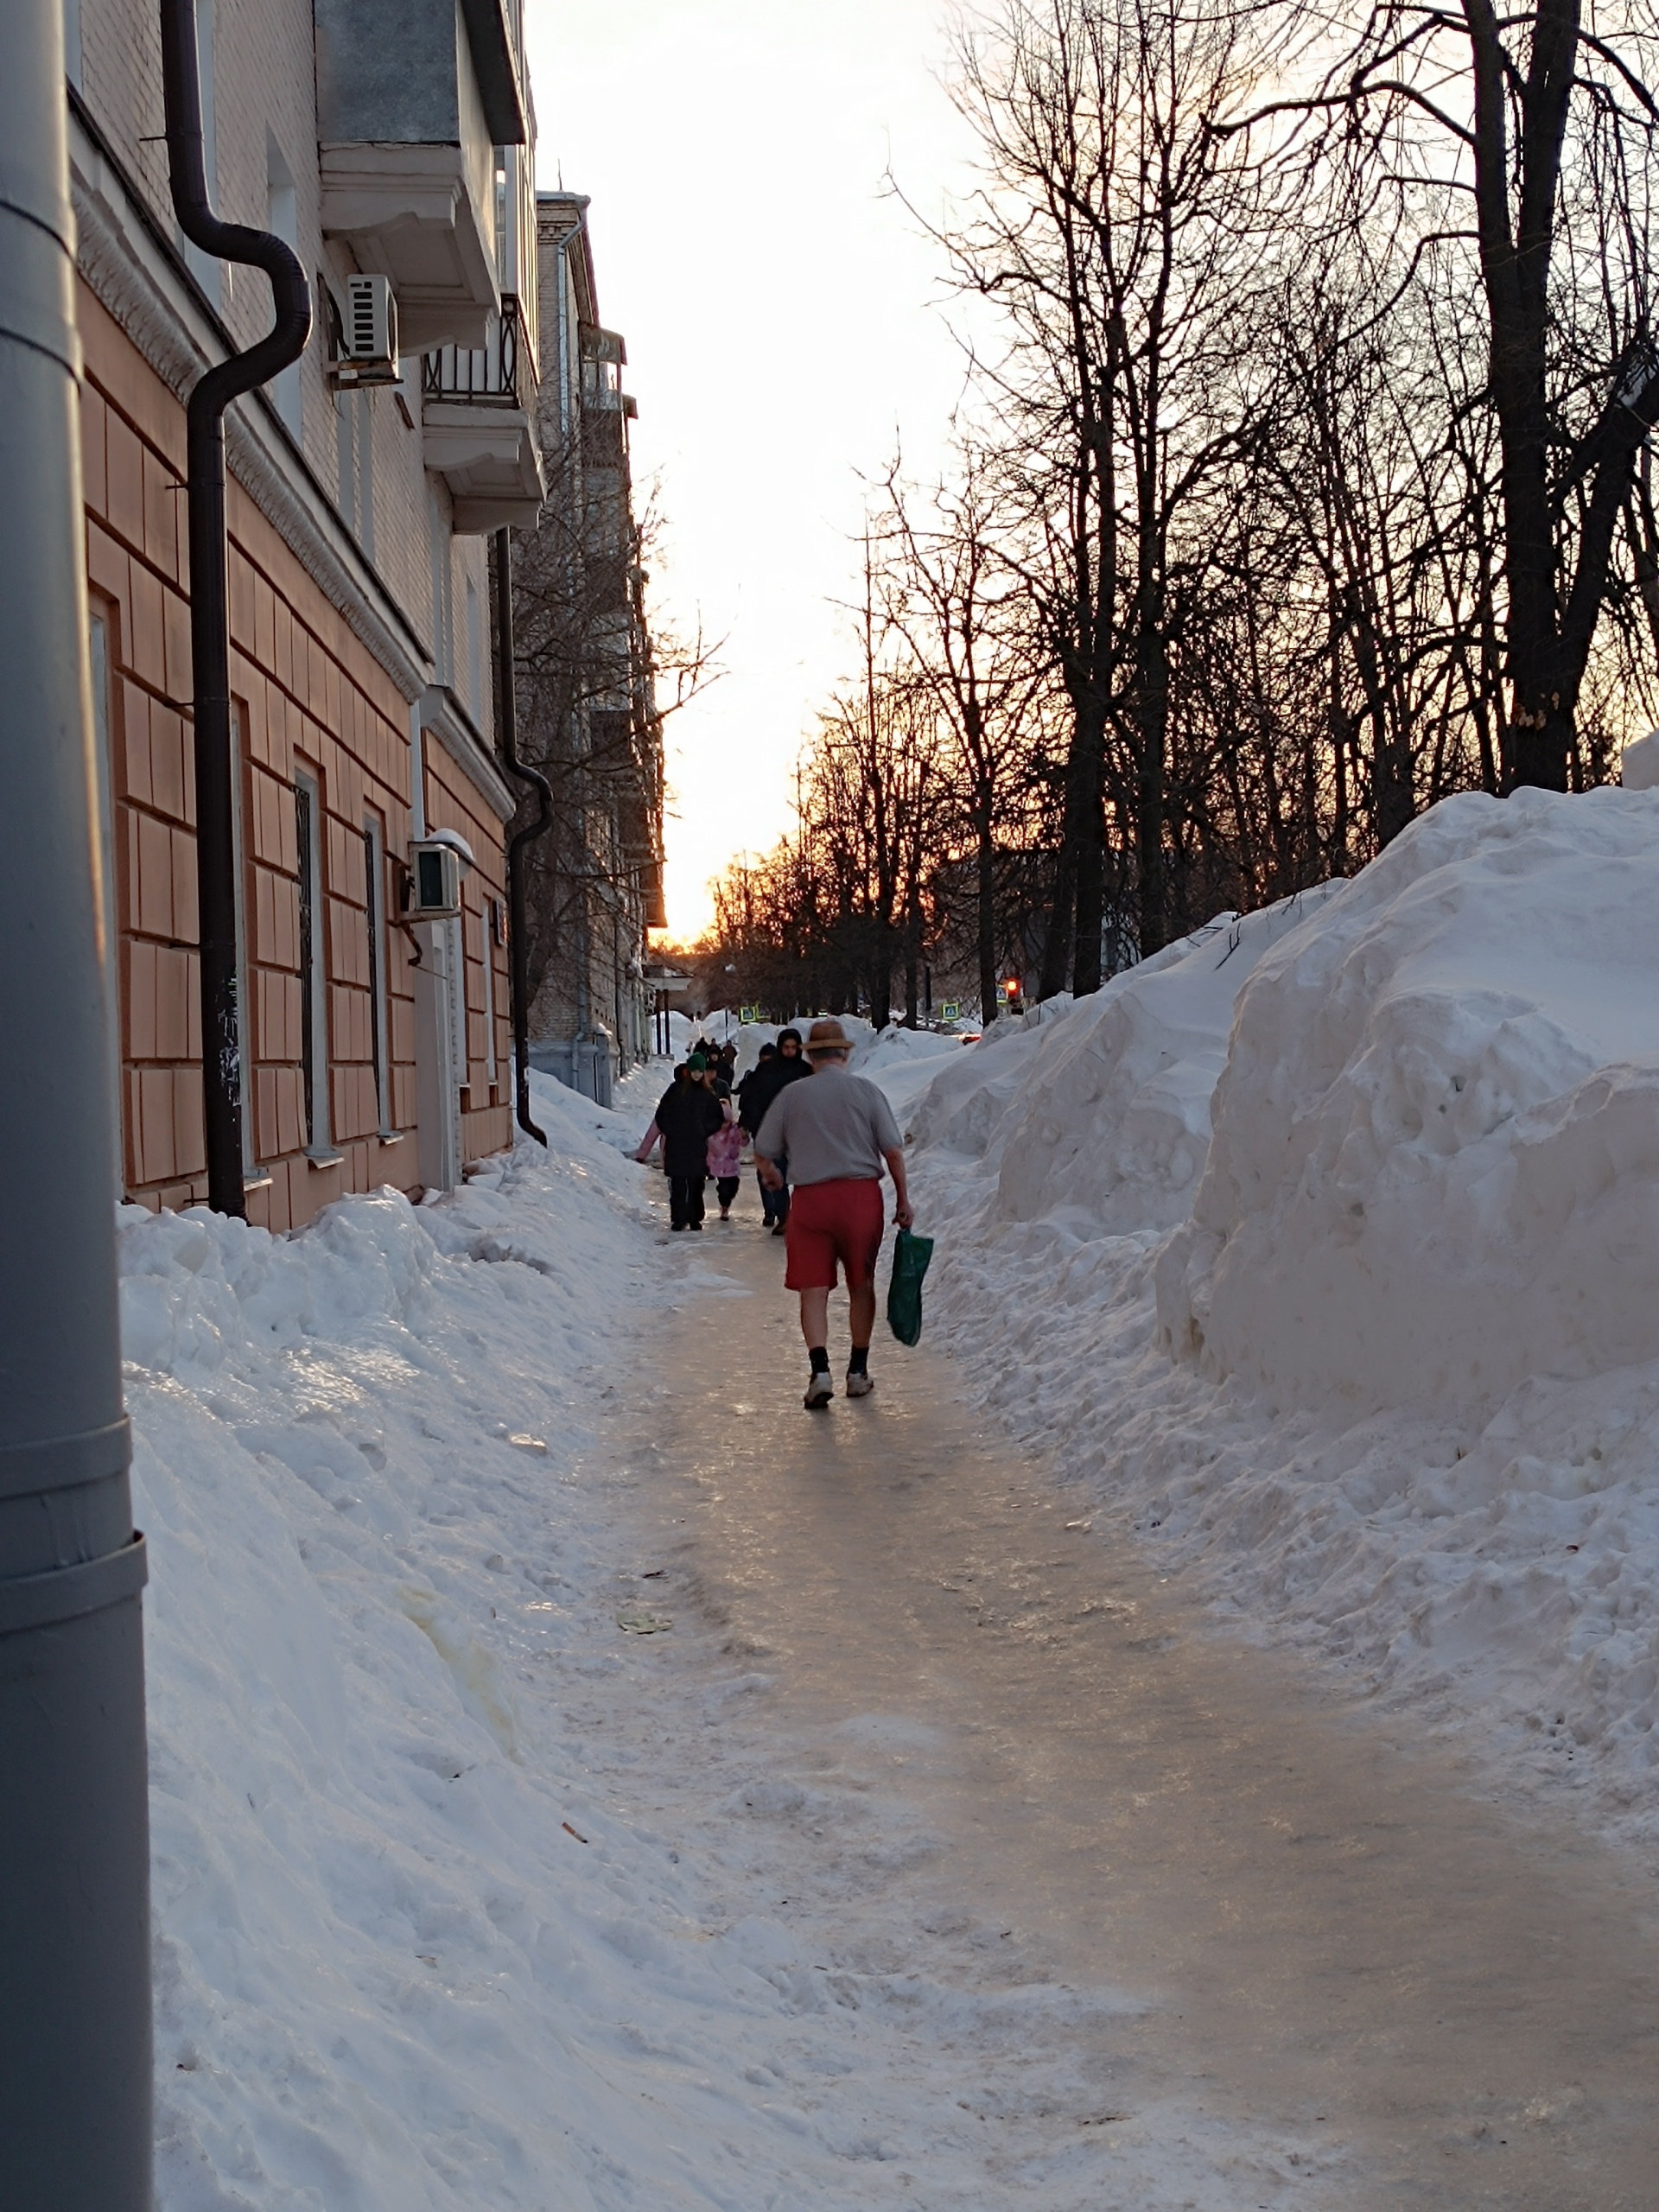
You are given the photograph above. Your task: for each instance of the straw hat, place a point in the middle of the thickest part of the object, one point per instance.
(826, 1037)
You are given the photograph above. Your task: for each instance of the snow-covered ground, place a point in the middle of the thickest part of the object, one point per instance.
(1321, 1250)
(476, 1885)
(1377, 1356)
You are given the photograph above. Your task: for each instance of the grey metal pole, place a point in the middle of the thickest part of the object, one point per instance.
(75, 1847)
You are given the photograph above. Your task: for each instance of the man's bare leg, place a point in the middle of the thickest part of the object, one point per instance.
(815, 1317)
(815, 1327)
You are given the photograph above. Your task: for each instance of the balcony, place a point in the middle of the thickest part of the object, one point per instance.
(476, 429)
(413, 97)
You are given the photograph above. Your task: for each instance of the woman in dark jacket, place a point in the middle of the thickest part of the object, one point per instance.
(688, 1114)
(760, 1086)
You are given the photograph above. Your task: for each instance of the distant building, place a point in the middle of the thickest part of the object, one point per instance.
(389, 139)
(587, 710)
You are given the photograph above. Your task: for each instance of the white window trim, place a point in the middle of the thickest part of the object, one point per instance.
(374, 848)
(486, 933)
(243, 993)
(314, 981)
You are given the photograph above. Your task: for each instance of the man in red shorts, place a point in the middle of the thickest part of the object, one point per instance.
(835, 1132)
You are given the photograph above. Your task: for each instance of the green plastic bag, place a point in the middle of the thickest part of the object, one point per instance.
(909, 1258)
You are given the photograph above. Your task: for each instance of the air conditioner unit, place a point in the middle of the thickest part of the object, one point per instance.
(434, 889)
(367, 332)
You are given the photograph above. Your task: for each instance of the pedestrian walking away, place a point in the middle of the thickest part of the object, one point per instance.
(763, 1083)
(725, 1157)
(688, 1114)
(838, 1134)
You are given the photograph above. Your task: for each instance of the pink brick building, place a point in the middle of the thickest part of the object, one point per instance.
(373, 1051)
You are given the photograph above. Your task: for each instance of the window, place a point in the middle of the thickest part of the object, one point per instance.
(283, 221)
(489, 925)
(442, 638)
(239, 863)
(374, 875)
(97, 640)
(314, 987)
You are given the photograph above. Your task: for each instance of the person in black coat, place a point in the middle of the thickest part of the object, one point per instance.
(688, 1114)
(759, 1087)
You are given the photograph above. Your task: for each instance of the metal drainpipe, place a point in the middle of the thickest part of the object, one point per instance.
(518, 935)
(75, 2059)
(210, 644)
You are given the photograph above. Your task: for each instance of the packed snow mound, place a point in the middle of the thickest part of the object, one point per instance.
(964, 1105)
(1435, 1165)
(1107, 1129)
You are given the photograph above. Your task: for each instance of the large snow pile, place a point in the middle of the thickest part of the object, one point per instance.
(904, 1060)
(1110, 1121)
(1396, 1392)
(1435, 1169)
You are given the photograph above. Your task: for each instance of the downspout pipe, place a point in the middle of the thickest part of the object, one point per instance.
(210, 641)
(518, 934)
(75, 2058)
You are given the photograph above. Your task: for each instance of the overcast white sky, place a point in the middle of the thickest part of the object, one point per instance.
(784, 325)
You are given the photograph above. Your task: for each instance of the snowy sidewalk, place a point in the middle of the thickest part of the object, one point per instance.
(468, 1894)
(477, 1887)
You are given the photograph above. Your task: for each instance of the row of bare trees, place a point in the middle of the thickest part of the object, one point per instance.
(1303, 479)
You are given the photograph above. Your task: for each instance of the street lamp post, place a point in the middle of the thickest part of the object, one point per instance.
(74, 1853)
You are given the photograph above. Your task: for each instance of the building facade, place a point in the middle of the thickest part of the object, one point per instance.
(378, 140)
(588, 706)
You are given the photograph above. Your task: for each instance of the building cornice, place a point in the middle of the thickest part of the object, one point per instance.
(454, 727)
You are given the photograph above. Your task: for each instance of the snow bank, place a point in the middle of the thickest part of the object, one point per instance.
(905, 1061)
(1435, 1169)
(1110, 1121)
(1412, 1416)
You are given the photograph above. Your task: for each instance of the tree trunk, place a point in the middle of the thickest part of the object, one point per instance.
(1152, 714)
(987, 870)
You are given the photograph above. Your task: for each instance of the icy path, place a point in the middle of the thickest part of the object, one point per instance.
(1307, 1964)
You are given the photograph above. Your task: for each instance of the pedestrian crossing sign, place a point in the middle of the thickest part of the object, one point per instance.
(748, 1014)
(951, 1011)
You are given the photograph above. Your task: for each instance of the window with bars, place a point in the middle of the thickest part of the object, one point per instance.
(374, 873)
(314, 982)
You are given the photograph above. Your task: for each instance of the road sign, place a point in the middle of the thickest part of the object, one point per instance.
(748, 1014)
(951, 1011)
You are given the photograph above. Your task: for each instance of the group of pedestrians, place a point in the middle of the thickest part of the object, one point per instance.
(831, 1138)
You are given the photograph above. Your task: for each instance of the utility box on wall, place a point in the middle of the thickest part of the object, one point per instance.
(434, 881)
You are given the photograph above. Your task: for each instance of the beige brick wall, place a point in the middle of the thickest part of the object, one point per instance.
(308, 694)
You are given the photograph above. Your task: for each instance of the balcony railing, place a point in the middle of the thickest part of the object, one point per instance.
(478, 376)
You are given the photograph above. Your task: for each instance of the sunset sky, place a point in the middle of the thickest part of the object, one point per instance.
(786, 325)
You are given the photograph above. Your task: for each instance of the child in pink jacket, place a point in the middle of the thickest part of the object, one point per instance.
(725, 1157)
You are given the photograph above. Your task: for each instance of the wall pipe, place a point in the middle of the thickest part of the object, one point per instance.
(75, 2059)
(507, 709)
(210, 643)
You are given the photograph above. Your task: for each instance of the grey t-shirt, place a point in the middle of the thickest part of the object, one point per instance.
(835, 1128)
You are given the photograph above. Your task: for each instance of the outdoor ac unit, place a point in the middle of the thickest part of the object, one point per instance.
(368, 332)
(434, 881)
